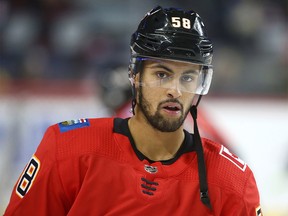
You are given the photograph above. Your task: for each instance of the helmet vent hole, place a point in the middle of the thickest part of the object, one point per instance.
(205, 46)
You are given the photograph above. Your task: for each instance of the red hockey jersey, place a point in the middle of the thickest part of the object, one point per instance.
(92, 167)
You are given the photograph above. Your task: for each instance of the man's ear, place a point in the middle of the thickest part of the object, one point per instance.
(131, 77)
(134, 79)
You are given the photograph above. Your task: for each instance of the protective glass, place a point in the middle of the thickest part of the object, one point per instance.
(183, 76)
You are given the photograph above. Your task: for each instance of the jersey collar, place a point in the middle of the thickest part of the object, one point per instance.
(121, 127)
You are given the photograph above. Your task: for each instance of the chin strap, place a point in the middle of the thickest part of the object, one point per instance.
(204, 196)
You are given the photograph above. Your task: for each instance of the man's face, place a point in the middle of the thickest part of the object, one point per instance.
(165, 92)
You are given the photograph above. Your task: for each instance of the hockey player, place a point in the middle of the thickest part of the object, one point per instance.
(147, 164)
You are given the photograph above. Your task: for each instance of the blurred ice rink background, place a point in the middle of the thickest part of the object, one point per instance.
(67, 59)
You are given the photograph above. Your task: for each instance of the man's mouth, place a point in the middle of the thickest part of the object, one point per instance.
(172, 107)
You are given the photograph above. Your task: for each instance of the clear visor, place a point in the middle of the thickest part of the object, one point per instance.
(178, 75)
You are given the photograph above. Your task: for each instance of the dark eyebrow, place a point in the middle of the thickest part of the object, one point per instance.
(196, 72)
(162, 67)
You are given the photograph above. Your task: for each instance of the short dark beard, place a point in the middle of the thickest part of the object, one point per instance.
(157, 120)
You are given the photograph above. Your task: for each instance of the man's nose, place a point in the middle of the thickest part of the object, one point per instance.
(174, 90)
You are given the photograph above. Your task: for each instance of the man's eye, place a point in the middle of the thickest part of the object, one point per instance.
(187, 78)
(162, 75)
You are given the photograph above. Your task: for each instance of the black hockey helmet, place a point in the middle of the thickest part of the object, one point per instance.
(171, 33)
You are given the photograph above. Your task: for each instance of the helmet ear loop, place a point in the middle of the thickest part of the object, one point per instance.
(133, 99)
(196, 101)
(132, 81)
